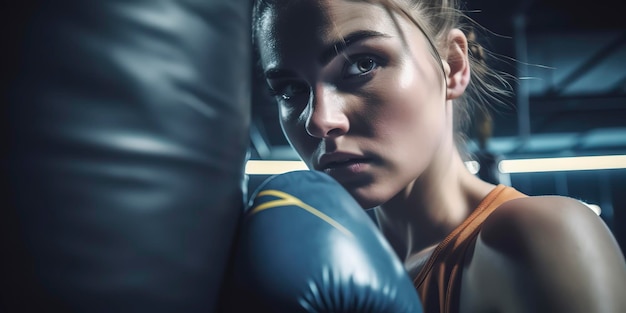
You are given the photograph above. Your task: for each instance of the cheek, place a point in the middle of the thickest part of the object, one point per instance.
(290, 128)
(406, 107)
(411, 120)
(298, 138)
(424, 93)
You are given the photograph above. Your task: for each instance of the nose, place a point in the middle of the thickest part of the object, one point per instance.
(326, 113)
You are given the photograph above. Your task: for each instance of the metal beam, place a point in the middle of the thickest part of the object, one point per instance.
(588, 65)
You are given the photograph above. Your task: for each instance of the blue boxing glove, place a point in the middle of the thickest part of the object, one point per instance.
(305, 245)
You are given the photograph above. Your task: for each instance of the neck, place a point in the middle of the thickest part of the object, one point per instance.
(425, 212)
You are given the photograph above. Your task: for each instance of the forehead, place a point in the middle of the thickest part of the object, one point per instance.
(304, 27)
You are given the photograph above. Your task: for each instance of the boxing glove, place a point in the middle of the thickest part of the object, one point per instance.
(305, 245)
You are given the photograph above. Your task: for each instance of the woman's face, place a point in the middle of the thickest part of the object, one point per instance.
(370, 112)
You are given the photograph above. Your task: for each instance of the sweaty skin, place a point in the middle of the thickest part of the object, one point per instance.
(363, 98)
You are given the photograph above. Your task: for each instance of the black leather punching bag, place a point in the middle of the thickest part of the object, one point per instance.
(126, 131)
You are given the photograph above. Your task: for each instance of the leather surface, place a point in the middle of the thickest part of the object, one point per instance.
(306, 245)
(127, 127)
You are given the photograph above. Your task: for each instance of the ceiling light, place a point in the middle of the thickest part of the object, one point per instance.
(583, 163)
(272, 167)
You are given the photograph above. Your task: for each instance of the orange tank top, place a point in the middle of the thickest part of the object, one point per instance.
(438, 282)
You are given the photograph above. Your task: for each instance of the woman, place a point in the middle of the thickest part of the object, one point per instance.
(374, 93)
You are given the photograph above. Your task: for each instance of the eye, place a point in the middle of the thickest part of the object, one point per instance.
(360, 66)
(288, 90)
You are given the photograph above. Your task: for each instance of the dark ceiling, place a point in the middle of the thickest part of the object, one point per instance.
(570, 98)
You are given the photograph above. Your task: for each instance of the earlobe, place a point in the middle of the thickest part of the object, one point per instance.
(456, 64)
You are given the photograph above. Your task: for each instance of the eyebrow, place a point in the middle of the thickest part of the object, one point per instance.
(339, 46)
(332, 50)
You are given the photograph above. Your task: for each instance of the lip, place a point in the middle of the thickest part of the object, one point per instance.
(342, 161)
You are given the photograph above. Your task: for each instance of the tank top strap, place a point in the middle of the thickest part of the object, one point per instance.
(458, 236)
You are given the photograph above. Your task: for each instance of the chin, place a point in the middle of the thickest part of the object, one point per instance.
(364, 192)
(366, 199)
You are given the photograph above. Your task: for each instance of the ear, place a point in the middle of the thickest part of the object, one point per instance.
(456, 64)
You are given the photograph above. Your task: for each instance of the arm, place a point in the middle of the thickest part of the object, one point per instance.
(548, 254)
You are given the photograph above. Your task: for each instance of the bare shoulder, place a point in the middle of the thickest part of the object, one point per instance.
(527, 221)
(547, 254)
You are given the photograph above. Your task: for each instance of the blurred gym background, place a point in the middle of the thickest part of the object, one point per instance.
(569, 105)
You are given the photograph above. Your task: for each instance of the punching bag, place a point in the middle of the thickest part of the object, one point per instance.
(126, 128)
